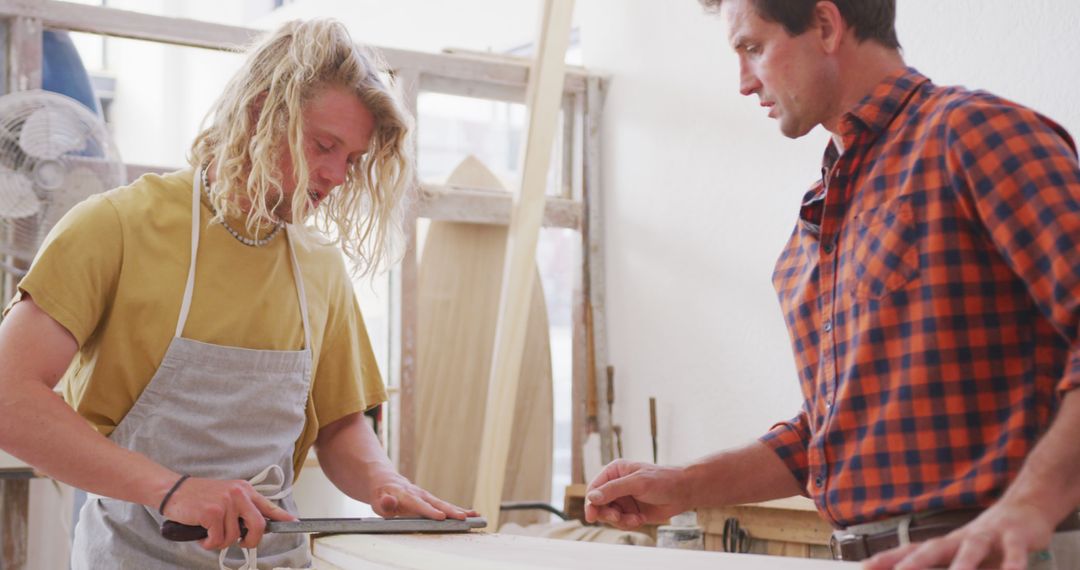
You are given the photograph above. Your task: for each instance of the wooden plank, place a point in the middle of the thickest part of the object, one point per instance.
(578, 425)
(505, 68)
(24, 54)
(480, 551)
(14, 515)
(593, 236)
(580, 350)
(408, 280)
(478, 206)
(471, 88)
(789, 503)
(544, 96)
(769, 524)
(569, 121)
(460, 278)
(131, 24)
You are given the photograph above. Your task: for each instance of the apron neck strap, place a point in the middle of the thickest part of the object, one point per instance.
(189, 288)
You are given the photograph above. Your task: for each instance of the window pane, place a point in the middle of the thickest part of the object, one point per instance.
(451, 128)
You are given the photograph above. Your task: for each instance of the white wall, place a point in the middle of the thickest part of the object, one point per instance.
(701, 192)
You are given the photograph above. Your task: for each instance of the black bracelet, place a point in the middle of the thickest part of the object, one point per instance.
(169, 495)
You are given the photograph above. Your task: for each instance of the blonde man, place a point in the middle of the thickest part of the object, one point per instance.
(212, 337)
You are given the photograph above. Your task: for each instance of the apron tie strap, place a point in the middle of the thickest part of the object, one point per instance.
(272, 491)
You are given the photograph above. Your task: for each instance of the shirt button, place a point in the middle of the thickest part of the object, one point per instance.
(819, 481)
(827, 325)
(827, 248)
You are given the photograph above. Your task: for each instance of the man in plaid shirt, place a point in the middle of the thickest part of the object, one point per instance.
(931, 288)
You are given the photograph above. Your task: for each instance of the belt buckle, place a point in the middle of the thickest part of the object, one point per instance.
(834, 544)
(840, 539)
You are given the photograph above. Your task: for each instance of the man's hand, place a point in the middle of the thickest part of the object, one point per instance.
(355, 462)
(628, 494)
(395, 496)
(218, 506)
(1023, 520)
(1006, 532)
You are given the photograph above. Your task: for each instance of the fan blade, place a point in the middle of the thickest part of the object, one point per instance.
(17, 197)
(79, 184)
(52, 131)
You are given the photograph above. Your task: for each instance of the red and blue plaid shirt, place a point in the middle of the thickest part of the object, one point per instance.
(932, 291)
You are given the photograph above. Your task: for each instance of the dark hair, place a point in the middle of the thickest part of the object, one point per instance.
(871, 19)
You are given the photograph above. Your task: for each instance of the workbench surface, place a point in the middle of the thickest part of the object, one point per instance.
(481, 551)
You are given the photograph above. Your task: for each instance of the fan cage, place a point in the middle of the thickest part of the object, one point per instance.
(54, 153)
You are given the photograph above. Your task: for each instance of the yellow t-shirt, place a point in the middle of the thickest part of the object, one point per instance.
(113, 271)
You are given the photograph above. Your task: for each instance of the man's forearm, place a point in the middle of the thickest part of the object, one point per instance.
(1050, 478)
(42, 430)
(350, 455)
(746, 474)
(38, 427)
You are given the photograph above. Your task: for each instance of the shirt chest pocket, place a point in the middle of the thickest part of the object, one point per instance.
(885, 252)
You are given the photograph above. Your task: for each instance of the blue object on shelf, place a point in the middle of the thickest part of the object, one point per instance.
(62, 70)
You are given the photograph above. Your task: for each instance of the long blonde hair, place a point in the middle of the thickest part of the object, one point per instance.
(284, 71)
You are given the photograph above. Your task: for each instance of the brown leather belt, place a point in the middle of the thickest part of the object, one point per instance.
(856, 547)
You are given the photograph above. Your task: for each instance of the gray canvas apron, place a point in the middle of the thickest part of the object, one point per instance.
(211, 411)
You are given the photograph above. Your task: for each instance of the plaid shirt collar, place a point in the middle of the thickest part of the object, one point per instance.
(872, 115)
(878, 109)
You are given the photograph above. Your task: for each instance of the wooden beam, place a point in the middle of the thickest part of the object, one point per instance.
(544, 97)
(593, 237)
(482, 66)
(493, 69)
(408, 297)
(578, 394)
(131, 24)
(466, 88)
(24, 54)
(797, 521)
(454, 203)
(569, 130)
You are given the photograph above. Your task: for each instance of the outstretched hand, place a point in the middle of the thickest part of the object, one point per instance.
(395, 496)
(629, 494)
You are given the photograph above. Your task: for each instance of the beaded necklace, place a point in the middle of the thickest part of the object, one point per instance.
(239, 237)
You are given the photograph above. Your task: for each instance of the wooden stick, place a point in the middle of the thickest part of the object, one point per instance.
(652, 429)
(408, 285)
(590, 374)
(543, 98)
(594, 257)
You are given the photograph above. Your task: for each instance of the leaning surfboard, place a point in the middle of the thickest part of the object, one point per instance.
(459, 280)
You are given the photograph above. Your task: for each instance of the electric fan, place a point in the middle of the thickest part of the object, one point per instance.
(54, 153)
